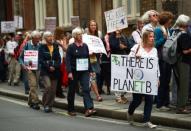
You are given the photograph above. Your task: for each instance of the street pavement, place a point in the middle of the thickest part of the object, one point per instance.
(108, 108)
(15, 116)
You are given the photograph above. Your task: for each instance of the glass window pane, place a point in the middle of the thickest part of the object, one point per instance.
(137, 6)
(119, 3)
(129, 6)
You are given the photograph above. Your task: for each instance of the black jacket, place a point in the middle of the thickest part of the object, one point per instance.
(45, 61)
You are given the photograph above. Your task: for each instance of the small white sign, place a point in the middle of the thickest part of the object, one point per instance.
(129, 74)
(116, 19)
(50, 23)
(18, 22)
(7, 27)
(75, 21)
(95, 44)
(82, 64)
(31, 59)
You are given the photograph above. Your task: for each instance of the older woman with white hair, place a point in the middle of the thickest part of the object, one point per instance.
(49, 61)
(182, 66)
(79, 68)
(150, 19)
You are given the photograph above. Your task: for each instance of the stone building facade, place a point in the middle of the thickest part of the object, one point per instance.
(33, 12)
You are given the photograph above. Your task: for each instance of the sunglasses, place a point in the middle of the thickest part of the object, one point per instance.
(155, 15)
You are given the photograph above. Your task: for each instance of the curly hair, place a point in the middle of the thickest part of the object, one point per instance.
(164, 17)
(58, 33)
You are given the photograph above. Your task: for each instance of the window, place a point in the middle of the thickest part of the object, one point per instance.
(65, 11)
(40, 13)
(133, 7)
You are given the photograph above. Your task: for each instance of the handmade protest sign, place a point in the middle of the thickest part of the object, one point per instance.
(18, 20)
(95, 44)
(50, 23)
(31, 59)
(8, 27)
(129, 74)
(116, 19)
(75, 21)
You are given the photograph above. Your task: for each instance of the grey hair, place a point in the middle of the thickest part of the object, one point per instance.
(146, 16)
(182, 20)
(77, 30)
(46, 34)
(35, 33)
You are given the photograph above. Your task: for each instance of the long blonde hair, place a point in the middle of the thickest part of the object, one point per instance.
(146, 35)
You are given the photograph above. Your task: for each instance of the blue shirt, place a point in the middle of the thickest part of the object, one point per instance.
(29, 46)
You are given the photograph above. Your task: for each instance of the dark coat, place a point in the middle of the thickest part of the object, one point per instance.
(45, 61)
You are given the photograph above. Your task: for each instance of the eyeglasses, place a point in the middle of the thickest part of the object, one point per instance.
(79, 34)
(155, 15)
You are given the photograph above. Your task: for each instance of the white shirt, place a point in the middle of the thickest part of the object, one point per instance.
(143, 53)
(137, 36)
(10, 46)
(148, 27)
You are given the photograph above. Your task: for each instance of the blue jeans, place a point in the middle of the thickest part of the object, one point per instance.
(137, 99)
(83, 78)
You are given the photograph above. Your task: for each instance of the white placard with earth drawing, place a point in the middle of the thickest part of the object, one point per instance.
(129, 74)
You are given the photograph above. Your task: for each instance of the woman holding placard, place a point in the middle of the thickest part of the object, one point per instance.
(94, 59)
(145, 49)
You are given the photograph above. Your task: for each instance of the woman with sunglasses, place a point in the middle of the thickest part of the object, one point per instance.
(150, 18)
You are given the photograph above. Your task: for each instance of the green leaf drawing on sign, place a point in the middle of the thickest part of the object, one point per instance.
(115, 60)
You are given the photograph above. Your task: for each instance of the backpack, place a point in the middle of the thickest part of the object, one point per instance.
(131, 40)
(169, 50)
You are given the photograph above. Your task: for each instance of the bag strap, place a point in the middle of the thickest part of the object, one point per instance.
(137, 49)
(139, 33)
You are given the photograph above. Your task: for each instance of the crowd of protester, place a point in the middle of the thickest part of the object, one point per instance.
(59, 54)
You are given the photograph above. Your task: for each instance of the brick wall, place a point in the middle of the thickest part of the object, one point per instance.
(146, 5)
(171, 6)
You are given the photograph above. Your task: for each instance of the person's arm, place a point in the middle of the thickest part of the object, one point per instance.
(188, 51)
(90, 67)
(63, 44)
(114, 42)
(134, 50)
(42, 62)
(21, 57)
(159, 37)
(57, 60)
(69, 59)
